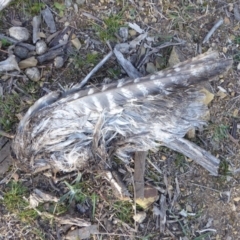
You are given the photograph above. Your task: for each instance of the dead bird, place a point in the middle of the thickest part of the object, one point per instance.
(67, 131)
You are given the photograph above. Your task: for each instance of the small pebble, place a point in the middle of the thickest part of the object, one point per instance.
(33, 74)
(21, 52)
(58, 62)
(123, 32)
(41, 47)
(19, 33)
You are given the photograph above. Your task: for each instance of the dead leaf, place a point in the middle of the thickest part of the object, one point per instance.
(139, 217)
(150, 196)
(235, 112)
(208, 96)
(76, 43)
(29, 62)
(82, 233)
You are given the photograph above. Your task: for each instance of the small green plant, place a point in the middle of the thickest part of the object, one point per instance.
(32, 7)
(60, 7)
(75, 193)
(110, 27)
(90, 59)
(237, 40)
(35, 8)
(14, 201)
(5, 42)
(224, 169)
(180, 160)
(123, 211)
(114, 72)
(9, 106)
(94, 198)
(220, 132)
(78, 192)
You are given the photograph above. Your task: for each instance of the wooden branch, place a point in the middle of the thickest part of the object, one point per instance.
(194, 152)
(139, 171)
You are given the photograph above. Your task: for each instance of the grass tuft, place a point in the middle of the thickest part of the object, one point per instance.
(9, 106)
(14, 201)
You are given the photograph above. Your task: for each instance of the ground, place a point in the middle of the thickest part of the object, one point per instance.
(198, 205)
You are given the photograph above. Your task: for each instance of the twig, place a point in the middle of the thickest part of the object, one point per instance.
(205, 187)
(158, 169)
(236, 12)
(94, 70)
(207, 230)
(13, 41)
(91, 17)
(214, 28)
(4, 134)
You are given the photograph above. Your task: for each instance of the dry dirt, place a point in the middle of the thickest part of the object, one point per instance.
(211, 204)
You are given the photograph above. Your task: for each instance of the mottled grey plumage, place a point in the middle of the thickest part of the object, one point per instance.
(66, 130)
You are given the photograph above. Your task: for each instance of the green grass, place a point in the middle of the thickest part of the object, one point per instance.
(123, 210)
(9, 106)
(14, 201)
(114, 72)
(79, 193)
(224, 170)
(84, 62)
(220, 132)
(60, 8)
(110, 27)
(180, 160)
(32, 7)
(5, 43)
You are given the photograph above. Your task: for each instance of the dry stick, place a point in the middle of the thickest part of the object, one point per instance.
(158, 169)
(236, 12)
(7, 135)
(94, 70)
(13, 41)
(4, 3)
(214, 28)
(215, 190)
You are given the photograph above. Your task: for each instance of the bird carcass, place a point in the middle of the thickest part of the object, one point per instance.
(68, 130)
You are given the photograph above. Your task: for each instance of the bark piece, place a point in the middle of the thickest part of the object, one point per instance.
(50, 55)
(139, 171)
(36, 24)
(48, 18)
(5, 158)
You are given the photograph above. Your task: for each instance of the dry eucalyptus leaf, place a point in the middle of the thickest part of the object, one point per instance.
(139, 217)
(29, 62)
(76, 43)
(150, 196)
(208, 96)
(82, 233)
